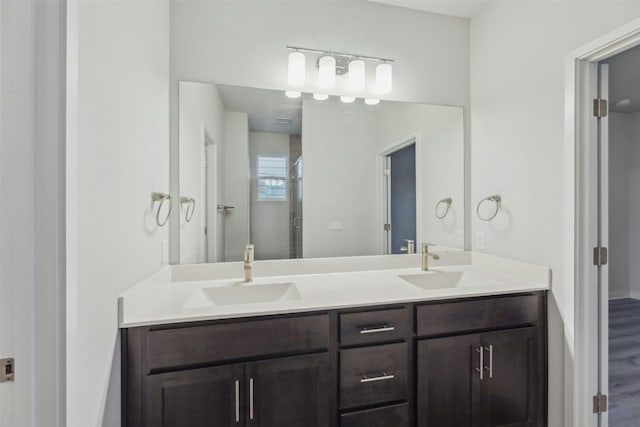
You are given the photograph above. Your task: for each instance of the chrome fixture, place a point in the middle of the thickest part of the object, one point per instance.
(442, 212)
(331, 64)
(495, 199)
(191, 207)
(224, 208)
(410, 248)
(248, 263)
(161, 197)
(425, 256)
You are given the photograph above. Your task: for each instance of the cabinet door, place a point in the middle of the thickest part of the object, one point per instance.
(448, 381)
(291, 391)
(196, 398)
(510, 390)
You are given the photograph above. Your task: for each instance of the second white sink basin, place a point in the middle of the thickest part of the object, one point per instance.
(448, 279)
(244, 293)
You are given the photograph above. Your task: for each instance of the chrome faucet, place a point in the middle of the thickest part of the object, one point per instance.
(248, 263)
(425, 256)
(410, 248)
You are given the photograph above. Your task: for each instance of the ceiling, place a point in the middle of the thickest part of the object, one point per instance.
(460, 8)
(264, 107)
(624, 81)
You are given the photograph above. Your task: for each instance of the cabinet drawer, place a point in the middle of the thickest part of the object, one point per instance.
(477, 314)
(389, 416)
(374, 326)
(371, 375)
(203, 344)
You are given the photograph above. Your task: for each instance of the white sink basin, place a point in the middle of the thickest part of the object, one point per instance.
(448, 279)
(243, 293)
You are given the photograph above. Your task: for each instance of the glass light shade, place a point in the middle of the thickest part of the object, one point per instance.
(347, 99)
(356, 75)
(327, 72)
(371, 101)
(384, 78)
(292, 94)
(296, 68)
(320, 96)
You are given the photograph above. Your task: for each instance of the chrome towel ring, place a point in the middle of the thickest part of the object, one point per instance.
(496, 199)
(161, 197)
(191, 207)
(447, 205)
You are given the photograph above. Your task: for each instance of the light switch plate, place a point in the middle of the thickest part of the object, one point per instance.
(480, 240)
(165, 252)
(7, 370)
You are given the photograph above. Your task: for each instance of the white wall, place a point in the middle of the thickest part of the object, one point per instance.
(236, 185)
(338, 147)
(201, 110)
(518, 54)
(620, 162)
(119, 154)
(269, 218)
(440, 133)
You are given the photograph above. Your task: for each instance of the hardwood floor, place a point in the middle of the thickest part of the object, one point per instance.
(624, 363)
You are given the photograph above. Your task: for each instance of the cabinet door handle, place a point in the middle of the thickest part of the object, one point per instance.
(383, 328)
(251, 399)
(237, 401)
(383, 377)
(480, 351)
(490, 368)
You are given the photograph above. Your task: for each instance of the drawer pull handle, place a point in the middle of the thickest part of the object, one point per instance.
(480, 370)
(237, 401)
(251, 399)
(490, 368)
(383, 328)
(383, 377)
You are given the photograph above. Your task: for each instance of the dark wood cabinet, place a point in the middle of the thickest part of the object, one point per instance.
(292, 391)
(480, 380)
(470, 362)
(198, 397)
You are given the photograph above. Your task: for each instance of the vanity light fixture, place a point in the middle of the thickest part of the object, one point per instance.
(384, 78)
(320, 96)
(292, 94)
(297, 68)
(371, 101)
(356, 75)
(347, 99)
(327, 72)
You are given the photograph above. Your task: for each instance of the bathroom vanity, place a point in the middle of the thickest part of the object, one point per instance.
(470, 354)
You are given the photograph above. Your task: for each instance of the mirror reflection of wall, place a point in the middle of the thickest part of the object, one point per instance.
(245, 154)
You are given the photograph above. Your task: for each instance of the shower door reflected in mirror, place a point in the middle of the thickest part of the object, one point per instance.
(245, 154)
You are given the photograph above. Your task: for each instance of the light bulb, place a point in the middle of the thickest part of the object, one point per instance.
(356, 75)
(347, 99)
(384, 78)
(320, 96)
(327, 72)
(371, 101)
(292, 94)
(296, 68)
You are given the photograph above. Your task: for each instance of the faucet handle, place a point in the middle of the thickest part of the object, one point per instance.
(425, 246)
(248, 253)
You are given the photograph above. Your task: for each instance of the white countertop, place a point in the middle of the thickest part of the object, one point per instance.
(161, 299)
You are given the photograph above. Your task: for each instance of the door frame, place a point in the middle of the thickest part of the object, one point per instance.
(381, 180)
(209, 197)
(580, 209)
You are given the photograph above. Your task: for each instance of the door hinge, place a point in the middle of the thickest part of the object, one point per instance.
(600, 256)
(600, 108)
(386, 172)
(599, 403)
(387, 227)
(7, 370)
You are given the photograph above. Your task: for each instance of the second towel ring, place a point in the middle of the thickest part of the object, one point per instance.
(448, 201)
(161, 197)
(495, 199)
(191, 202)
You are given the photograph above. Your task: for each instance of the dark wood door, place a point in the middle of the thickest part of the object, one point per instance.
(510, 389)
(448, 381)
(290, 391)
(209, 397)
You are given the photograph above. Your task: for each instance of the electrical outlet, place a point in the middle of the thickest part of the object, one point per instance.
(480, 240)
(335, 225)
